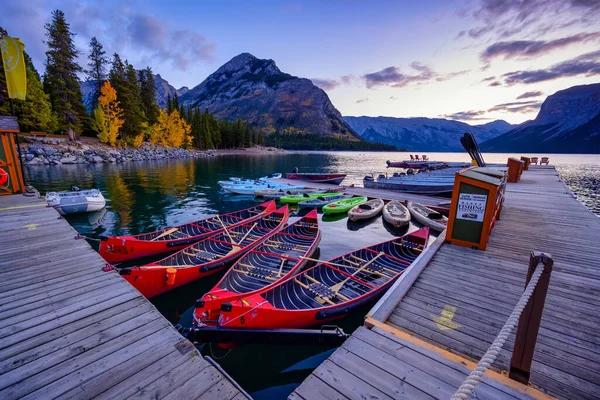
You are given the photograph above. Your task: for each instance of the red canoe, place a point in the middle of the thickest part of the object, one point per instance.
(118, 249)
(205, 257)
(274, 260)
(328, 291)
(316, 177)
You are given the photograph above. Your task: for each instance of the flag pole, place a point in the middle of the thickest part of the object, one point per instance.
(12, 109)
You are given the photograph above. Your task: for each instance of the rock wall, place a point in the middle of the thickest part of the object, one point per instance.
(52, 152)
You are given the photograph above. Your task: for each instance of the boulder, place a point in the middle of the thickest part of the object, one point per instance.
(68, 160)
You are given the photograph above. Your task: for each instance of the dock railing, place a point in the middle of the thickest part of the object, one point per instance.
(529, 322)
(527, 316)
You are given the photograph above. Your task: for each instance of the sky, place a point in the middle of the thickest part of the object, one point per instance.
(470, 60)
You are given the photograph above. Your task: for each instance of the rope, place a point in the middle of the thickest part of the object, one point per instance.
(215, 357)
(79, 236)
(468, 386)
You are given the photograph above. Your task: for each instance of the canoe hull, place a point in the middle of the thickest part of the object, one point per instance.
(397, 218)
(152, 279)
(317, 178)
(264, 317)
(418, 216)
(118, 249)
(264, 258)
(294, 303)
(357, 213)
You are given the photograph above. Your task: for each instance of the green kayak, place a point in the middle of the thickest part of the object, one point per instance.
(343, 206)
(297, 198)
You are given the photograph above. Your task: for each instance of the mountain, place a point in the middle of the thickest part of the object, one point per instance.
(163, 89)
(260, 93)
(422, 134)
(568, 122)
(182, 90)
(498, 126)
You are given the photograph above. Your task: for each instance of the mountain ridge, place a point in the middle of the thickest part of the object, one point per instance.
(568, 122)
(258, 92)
(421, 133)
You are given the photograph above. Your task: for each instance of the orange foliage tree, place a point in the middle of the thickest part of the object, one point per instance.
(170, 130)
(107, 117)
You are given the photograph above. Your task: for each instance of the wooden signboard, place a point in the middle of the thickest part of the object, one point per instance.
(11, 176)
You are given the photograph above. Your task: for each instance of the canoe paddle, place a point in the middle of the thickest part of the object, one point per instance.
(336, 288)
(236, 246)
(165, 233)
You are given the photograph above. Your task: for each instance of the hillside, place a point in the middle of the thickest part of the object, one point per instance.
(422, 134)
(261, 94)
(568, 122)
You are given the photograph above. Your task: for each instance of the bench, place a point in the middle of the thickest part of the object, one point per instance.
(36, 134)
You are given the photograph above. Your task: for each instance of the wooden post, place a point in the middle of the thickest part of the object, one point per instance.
(529, 323)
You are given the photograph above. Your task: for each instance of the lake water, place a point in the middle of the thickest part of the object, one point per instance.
(151, 195)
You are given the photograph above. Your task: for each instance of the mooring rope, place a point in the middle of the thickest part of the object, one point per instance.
(468, 386)
(79, 236)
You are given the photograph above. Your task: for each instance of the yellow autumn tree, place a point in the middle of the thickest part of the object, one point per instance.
(108, 115)
(170, 130)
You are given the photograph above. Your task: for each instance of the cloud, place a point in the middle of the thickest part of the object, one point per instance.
(326, 84)
(495, 83)
(515, 107)
(119, 27)
(394, 98)
(362, 100)
(586, 64)
(507, 18)
(532, 48)
(519, 107)
(488, 79)
(392, 76)
(466, 116)
(528, 95)
(348, 79)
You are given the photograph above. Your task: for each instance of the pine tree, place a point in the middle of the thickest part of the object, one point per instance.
(107, 117)
(60, 78)
(175, 103)
(35, 113)
(169, 104)
(135, 119)
(97, 68)
(148, 95)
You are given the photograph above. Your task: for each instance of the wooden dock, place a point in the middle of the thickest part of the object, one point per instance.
(430, 329)
(70, 330)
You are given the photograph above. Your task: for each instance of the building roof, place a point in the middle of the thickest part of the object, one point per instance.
(9, 124)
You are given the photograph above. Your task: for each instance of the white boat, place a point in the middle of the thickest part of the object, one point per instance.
(430, 183)
(244, 181)
(367, 210)
(427, 216)
(76, 201)
(396, 213)
(250, 189)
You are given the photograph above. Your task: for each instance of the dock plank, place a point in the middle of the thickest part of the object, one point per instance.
(70, 330)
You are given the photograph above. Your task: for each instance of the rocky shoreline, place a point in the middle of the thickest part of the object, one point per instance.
(49, 151)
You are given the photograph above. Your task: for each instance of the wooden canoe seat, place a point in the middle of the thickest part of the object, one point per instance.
(204, 255)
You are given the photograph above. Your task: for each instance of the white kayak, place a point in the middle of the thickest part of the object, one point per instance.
(396, 213)
(367, 210)
(427, 216)
(77, 201)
